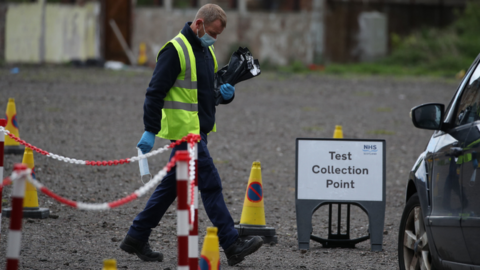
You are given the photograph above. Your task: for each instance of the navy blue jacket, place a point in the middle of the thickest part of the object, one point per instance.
(164, 76)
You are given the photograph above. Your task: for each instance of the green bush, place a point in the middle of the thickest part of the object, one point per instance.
(428, 51)
(450, 49)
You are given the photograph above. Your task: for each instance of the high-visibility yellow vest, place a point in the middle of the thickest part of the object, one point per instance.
(180, 109)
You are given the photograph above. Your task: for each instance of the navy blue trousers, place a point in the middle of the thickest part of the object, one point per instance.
(210, 187)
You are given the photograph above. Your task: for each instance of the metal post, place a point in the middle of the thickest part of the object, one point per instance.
(193, 234)
(339, 218)
(182, 158)
(329, 219)
(15, 233)
(348, 220)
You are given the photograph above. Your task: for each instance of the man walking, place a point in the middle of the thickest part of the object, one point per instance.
(180, 100)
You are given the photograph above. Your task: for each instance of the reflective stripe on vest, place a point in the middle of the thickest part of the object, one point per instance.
(180, 106)
(180, 111)
(187, 81)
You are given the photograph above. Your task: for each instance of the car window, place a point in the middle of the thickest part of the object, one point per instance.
(469, 107)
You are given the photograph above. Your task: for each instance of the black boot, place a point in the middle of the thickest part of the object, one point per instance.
(142, 249)
(242, 247)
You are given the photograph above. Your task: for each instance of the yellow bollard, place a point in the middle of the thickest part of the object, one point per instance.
(210, 256)
(12, 146)
(338, 133)
(109, 264)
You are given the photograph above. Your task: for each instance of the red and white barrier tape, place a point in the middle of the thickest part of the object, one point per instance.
(100, 206)
(191, 138)
(191, 179)
(193, 222)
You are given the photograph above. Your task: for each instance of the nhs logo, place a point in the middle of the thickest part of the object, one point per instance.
(369, 148)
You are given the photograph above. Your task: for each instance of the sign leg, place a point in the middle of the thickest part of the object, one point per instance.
(304, 225)
(376, 223)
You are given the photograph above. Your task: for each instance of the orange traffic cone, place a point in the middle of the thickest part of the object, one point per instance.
(12, 146)
(252, 221)
(210, 256)
(30, 201)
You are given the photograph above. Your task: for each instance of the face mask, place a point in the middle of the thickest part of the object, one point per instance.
(206, 39)
(143, 164)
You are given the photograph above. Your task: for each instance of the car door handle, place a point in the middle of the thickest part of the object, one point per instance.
(456, 151)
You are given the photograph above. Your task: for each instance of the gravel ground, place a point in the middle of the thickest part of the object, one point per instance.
(93, 114)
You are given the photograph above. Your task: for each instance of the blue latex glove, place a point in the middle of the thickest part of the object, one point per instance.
(227, 91)
(146, 142)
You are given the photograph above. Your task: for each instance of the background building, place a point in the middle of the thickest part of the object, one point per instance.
(278, 32)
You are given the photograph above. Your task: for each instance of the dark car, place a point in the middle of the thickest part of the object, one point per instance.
(440, 226)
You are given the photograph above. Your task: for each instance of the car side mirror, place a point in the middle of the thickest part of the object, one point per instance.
(428, 116)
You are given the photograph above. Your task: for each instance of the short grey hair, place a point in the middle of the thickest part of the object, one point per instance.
(210, 13)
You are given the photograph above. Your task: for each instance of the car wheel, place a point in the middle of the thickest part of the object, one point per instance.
(413, 249)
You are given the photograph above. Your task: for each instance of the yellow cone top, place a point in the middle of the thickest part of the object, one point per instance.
(338, 133)
(109, 264)
(253, 212)
(12, 124)
(31, 196)
(28, 158)
(210, 256)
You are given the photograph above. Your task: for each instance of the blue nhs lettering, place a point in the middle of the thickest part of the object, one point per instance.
(369, 148)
